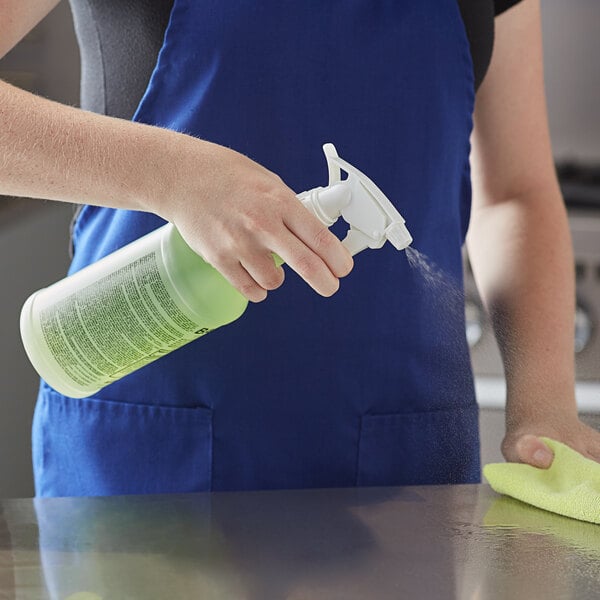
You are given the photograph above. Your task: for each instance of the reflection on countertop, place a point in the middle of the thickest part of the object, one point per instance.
(414, 542)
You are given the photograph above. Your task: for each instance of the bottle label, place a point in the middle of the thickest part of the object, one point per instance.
(116, 325)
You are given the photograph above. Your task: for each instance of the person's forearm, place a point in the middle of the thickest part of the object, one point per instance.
(232, 211)
(522, 259)
(57, 152)
(520, 247)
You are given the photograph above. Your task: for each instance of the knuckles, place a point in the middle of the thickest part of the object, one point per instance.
(218, 257)
(274, 280)
(258, 221)
(305, 266)
(253, 292)
(324, 239)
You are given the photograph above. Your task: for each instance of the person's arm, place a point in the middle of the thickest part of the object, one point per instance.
(520, 248)
(17, 19)
(232, 211)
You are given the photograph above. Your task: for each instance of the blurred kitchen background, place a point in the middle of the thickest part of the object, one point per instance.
(34, 235)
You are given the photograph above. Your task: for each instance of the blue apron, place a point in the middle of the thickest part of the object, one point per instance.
(370, 387)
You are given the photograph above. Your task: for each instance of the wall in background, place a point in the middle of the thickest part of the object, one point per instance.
(34, 246)
(572, 73)
(33, 253)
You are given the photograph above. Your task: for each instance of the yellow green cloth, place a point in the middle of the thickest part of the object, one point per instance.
(509, 515)
(570, 487)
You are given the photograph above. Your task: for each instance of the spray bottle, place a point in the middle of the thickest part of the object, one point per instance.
(156, 294)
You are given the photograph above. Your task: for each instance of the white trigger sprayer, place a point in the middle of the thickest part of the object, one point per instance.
(156, 294)
(371, 216)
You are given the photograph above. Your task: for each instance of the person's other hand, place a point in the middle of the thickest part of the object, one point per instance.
(522, 443)
(235, 214)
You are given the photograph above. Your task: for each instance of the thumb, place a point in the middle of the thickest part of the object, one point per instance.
(531, 450)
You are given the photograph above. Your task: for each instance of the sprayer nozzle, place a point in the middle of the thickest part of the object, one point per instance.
(398, 235)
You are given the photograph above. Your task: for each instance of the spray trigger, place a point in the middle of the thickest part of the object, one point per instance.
(373, 219)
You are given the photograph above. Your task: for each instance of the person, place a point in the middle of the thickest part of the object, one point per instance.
(368, 386)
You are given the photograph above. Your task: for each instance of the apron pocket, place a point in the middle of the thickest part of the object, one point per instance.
(90, 447)
(434, 447)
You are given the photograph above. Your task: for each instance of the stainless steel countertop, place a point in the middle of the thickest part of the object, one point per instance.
(368, 543)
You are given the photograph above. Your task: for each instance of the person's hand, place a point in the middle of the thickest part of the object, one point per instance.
(522, 443)
(236, 214)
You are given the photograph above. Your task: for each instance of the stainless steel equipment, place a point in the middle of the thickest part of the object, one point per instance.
(436, 542)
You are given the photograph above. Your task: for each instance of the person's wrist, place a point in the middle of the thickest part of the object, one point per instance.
(166, 169)
(526, 408)
(162, 174)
